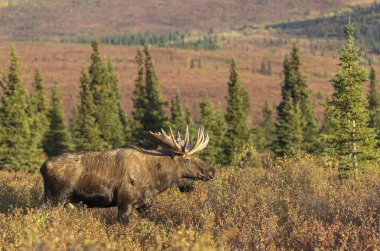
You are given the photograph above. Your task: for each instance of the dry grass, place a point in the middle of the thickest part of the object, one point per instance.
(294, 204)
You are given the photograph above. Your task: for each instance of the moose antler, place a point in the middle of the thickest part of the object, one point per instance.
(180, 146)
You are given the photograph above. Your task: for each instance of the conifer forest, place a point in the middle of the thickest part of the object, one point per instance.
(227, 125)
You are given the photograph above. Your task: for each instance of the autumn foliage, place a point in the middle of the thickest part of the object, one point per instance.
(294, 203)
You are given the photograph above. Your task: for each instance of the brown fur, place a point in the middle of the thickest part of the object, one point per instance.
(127, 178)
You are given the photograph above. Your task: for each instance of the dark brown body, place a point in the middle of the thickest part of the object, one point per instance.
(127, 178)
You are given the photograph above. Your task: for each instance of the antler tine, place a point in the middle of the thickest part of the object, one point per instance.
(187, 139)
(179, 145)
(200, 136)
(179, 136)
(165, 140)
(173, 138)
(201, 143)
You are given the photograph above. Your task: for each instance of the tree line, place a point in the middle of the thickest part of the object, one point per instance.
(366, 17)
(32, 128)
(170, 39)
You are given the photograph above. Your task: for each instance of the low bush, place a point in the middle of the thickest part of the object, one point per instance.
(295, 203)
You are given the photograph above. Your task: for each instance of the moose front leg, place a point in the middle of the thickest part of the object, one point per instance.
(145, 205)
(145, 202)
(124, 211)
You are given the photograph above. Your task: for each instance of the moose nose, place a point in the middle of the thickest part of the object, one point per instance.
(211, 174)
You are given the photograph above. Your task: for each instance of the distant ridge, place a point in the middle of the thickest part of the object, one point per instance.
(367, 20)
(53, 20)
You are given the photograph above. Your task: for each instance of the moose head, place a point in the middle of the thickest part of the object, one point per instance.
(189, 167)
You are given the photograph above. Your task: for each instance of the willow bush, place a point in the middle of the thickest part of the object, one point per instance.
(296, 203)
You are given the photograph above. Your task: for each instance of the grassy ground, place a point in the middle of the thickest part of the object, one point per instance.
(293, 204)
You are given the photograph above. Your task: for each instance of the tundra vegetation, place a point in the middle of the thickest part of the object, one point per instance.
(287, 182)
(295, 203)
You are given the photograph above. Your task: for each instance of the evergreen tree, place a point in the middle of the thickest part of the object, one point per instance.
(85, 130)
(118, 129)
(219, 130)
(57, 139)
(215, 125)
(154, 117)
(207, 121)
(373, 103)
(267, 124)
(39, 111)
(236, 116)
(264, 133)
(106, 96)
(178, 115)
(310, 138)
(288, 128)
(139, 102)
(189, 119)
(295, 95)
(263, 68)
(350, 140)
(17, 149)
(269, 68)
(97, 74)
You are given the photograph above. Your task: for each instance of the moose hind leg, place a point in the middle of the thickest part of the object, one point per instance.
(124, 211)
(145, 205)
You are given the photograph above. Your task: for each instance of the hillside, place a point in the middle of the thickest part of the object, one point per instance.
(122, 20)
(63, 62)
(54, 20)
(367, 20)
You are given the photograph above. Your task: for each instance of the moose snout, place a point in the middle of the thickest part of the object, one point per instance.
(206, 174)
(210, 174)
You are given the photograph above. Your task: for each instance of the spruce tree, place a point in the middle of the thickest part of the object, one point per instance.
(39, 110)
(264, 133)
(351, 141)
(269, 68)
(189, 120)
(207, 121)
(57, 139)
(106, 96)
(295, 95)
(263, 68)
(238, 132)
(267, 125)
(215, 125)
(373, 102)
(17, 149)
(288, 128)
(85, 130)
(118, 130)
(154, 117)
(139, 102)
(178, 116)
(219, 128)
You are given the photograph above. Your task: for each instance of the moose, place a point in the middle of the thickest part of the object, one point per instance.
(126, 178)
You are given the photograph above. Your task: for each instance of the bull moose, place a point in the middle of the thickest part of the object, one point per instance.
(128, 177)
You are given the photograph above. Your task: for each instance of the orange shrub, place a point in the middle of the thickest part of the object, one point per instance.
(296, 203)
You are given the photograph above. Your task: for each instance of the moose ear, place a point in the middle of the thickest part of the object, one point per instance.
(173, 154)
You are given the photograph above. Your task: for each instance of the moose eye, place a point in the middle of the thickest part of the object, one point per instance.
(187, 161)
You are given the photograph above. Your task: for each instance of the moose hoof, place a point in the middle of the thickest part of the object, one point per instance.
(143, 209)
(123, 219)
